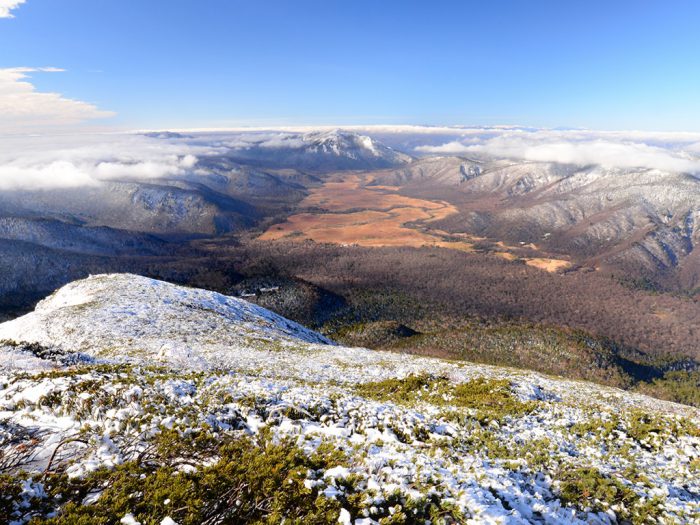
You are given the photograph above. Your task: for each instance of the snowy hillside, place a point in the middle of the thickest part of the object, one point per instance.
(121, 315)
(355, 436)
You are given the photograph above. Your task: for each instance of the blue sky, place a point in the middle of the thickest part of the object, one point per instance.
(218, 63)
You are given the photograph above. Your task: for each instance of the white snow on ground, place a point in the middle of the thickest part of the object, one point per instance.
(239, 368)
(15, 359)
(122, 315)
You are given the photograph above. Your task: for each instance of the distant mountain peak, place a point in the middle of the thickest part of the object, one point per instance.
(327, 150)
(350, 144)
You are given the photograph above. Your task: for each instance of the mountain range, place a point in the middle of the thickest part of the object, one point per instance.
(636, 222)
(640, 222)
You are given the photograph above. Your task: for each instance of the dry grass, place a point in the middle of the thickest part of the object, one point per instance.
(507, 256)
(352, 192)
(383, 220)
(374, 216)
(550, 265)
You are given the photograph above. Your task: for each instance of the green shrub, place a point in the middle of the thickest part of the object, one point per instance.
(491, 399)
(10, 491)
(248, 480)
(249, 483)
(588, 489)
(679, 385)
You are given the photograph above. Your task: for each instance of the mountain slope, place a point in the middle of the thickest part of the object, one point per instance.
(162, 207)
(119, 315)
(322, 151)
(433, 171)
(639, 221)
(320, 433)
(79, 239)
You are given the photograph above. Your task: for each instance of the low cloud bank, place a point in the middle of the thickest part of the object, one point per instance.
(31, 163)
(676, 152)
(45, 162)
(262, 140)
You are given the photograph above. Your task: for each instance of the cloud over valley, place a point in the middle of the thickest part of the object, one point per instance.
(31, 161)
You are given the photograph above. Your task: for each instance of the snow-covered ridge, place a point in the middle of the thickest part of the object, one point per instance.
(116, 315)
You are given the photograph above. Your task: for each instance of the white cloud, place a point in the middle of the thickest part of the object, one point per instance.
(6, 7)
(262, 140)
(23, 108)
(33, 162)
(46, 162)
(449, 148)
(73, 160)
(674, 152)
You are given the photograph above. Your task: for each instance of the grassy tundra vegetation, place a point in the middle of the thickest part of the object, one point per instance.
(189, 451)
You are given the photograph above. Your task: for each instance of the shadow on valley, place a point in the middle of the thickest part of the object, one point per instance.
(466, 306)
(428, 301)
